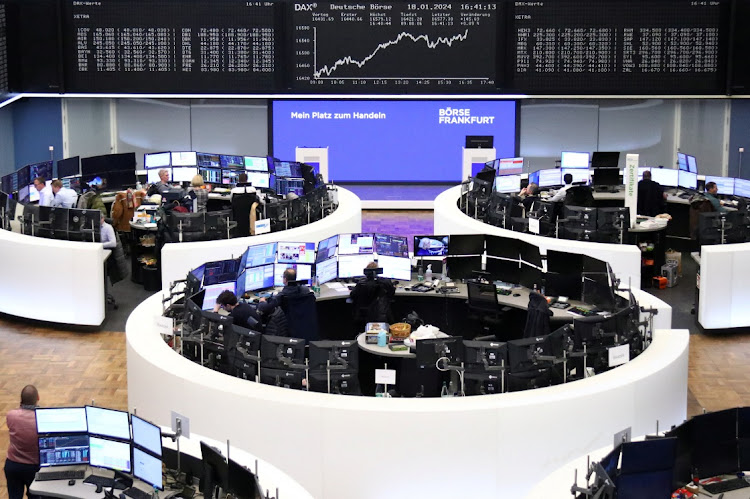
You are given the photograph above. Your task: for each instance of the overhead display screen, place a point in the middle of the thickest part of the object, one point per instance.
(392, 141)
(621, 46)
(362, 47)
(171, 46)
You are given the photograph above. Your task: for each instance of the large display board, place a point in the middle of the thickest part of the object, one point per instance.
(394, 46)
(618, 46)
(171, 46)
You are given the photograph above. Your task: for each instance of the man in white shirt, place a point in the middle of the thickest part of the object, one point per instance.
(560, 194)
(108, 238)
(45, 192)
(64, 197)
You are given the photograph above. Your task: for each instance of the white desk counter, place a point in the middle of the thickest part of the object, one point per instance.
(340, 447)
(180, 258)
(52, 280)
(724, 292)
(625, 259)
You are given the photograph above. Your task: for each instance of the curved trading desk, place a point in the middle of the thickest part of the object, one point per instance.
(52, 280)
(625, 259)
(339, 447)
(179, 258)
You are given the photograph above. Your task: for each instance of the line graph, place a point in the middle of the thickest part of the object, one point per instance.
(394, 46)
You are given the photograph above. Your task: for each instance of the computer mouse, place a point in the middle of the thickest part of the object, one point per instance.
(99, 488)
(516, 295)
(71, 482)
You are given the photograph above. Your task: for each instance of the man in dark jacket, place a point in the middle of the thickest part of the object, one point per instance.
(244, 314)
(291, 288)
(650, 196)
(372, 297)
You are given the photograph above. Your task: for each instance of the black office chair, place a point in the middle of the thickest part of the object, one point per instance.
(579, 195)
(241, 206)
(301, 316)
(537, 318)
(485, 309)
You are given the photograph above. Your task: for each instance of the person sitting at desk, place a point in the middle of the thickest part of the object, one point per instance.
(529, 195)
(199, 194)
(291, 288)
(651, 196)
(22, 460)
(372, 297)
(242, 186)
(243, 314)
(710, 193)
(62, 196)
(45, 192)
(560, 194)
(107, 235)
(162, 185)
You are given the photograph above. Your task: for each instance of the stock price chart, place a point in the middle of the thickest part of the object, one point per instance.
(394, 47)
(618, 47)
(171, 46)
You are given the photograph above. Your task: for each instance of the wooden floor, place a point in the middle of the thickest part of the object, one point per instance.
(72, 368)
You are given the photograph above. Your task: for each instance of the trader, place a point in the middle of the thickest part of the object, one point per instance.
(63, 197)
(291, 288)
(710, 193)
(243, 314)
(162, 185)
(22, 461)
(45, 192)
(529, 195)
(199, 194)
(107, 237)
(560, 194)
(372, 297)
(651, 196)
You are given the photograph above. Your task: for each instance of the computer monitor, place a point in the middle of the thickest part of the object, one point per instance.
(230, 176)
(69, 167)
(508, 166)
(28, 194)
(482, 383)
(187, 158)
(215, 471)
(570, 159)
(463, 267)
(503, 270)
(281, 352)
(480, 356)
(431, 245)
(613, 219)
(530, 276)
(339, 354)
(687, 180)
(259, 254)
(395, 267)
(256, 278)
(692, 164)
(580, 217)
(341, 382)
(352, 244)
(184, 173)
(665, 176)
(146, 435)
(242, 483)
(147, 468)
(714, 443)
(6, 183)
(210, 175)
(43, 169)
(327, 248)
(466, 244)
(152, 176)
(61, 420)
(108, 422)
(289, 169)
(63, 450)
(682, 162)
(296, 252)
(724, 184)
(304, 272)
(285, 186)
(479, 141)
(606, 176)
(549, 178)
(221, 271)
(742, 187)
(431, 350)
(580, 175)
(231, 162)
(389, 245)
(502, 247)
(208, 160)
(24, 176)
(81, 222)
(256, 163)
(507, 183)
(523, 354)
(353, 265)
(283, 378)
(157, 160)
(111, 454)
(259, 179)
(602, 159)
(529, 253)
(327, 270)
(214, 290)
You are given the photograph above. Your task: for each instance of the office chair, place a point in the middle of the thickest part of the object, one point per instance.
(537, 318)
(241, 207)
(301, 316)
(484, 308)
(372, 303)
(579, 195)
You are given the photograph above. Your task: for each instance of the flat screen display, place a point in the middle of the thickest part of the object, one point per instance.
(231, 162)
(742, 187)
(423, 143)
(570, 159)
(61, 420)
(157, 160)
(395, 267)
(431, 245)
(214, 290)
(259, 179)
(110, 454)
(509, 166)
(303, 272)
(146, 435)
(259, 277)
(69, 167)
(108, 422)
(353, 265)
(63, 450)
(256, 164)
(188, 158)
(549, 178)
(687, 180)
(208, 160)
(259, 255)
(296, 252)
(147, 468)
(580, 175)
(327, 270)
(327, 248)
(508, 183)
(724, 184)
(184, 173)
(682, 163)
(665, 176)
(152, 175)
(391, 245)
(692, 164)
(351, 244)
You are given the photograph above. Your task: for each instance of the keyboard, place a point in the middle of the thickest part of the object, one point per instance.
(43, 476)
(100, 480)
(725, 486)
(136, 493)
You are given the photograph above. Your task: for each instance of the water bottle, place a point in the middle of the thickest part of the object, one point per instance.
(382, 338)
(316, 286)
(428, 273)
(444, 390)
(379, 390)
(420, 275)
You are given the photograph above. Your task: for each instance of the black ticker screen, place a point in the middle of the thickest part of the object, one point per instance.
(361, 47)
(176, 46)
(617, 47)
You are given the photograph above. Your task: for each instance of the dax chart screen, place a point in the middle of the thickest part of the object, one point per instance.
(411, 47)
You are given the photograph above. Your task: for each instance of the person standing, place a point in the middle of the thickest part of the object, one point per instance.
(22, 461)
(651, 196)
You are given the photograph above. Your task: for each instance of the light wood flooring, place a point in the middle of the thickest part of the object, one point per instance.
(72, 368)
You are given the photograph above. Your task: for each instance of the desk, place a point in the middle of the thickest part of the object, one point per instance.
(723, 287)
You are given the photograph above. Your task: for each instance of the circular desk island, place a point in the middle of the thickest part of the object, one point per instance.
(343, 447)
